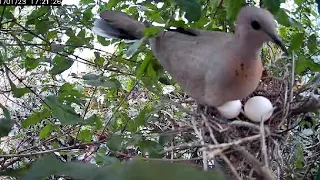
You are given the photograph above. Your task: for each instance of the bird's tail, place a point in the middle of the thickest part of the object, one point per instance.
(114, 24)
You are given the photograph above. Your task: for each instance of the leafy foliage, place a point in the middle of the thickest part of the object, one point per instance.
(132, 170)
(99, 100)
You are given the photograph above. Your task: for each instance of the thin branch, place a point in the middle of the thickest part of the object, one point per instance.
(118, 107)
(204, 152)
(263, 143)
(7, 68)
(234, 143)
(257, 165)
(50, 151)
(2, 14)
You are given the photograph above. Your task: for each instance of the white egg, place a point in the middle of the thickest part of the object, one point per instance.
(257, 107)
(230, 109)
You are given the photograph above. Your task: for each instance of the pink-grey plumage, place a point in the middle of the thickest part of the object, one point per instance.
(212, 67)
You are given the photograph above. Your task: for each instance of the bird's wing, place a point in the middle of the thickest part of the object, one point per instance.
(190, 58)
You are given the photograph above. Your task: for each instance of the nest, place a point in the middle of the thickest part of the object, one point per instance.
(250, 145)
(241, 148)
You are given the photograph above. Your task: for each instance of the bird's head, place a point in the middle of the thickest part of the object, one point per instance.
(258, 25)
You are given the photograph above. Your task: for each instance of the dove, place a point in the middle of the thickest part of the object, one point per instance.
(212, 67)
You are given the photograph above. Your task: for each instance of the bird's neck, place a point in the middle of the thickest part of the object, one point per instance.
(248, 43)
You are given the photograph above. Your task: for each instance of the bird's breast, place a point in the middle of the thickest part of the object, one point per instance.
(244, 76)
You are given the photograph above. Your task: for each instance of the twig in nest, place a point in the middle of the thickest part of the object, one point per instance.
(248, 124)
(278, 158)
(206, 122)
(237, 142)
(233, 170)
(183, 146)
(263, 143)
(204, 152)
(292, 77)
(219, 151)
(256, 164)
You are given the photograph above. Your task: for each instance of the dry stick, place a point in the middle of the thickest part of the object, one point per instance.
(183, 146)
(246, 124)
(86, 111)
(206, 122)
(279, 158)
(259, 168)
(234, 143)
(263, 143)
(224, 157)
(118, 107)
(31, 90)
(156, 159)
(284, 105)
(190, 112)
(309, 168)
(204, 152)
(292, 77)
(233, 170)
(9, 163)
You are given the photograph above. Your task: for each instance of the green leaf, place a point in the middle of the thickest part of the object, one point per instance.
(151, 72)
(134, 47)
(31, 63)
(21, 45)
(115, 143)
(318, 174)
(8, 14)
(35, 118)
(192, 8)
(104, 81)
(112, 3)
(65, 113)
(303, 63)
(90, 76)
(96, 120)
(28, 37)
(98, 60)
(52, 34)
(283, 19)
(6, 123)
(296, 41)
(87, 15)
(75, 40)
(299, 164)
(141, 119)
(272, 5)
(103, 41)
(152, 31)
(43, 26)
(153, 148)
(233, 7)
(143, 67)
(86, 1)
(298, 2)
(19, 92)
(46, 131)
(106, 160)
(312, 43)
(85, 135)
(61, 64)
(68, 93)
(154, 16)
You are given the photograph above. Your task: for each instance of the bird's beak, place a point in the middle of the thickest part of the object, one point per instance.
(277, 40)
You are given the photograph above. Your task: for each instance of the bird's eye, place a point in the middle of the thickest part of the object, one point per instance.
(255, 25)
